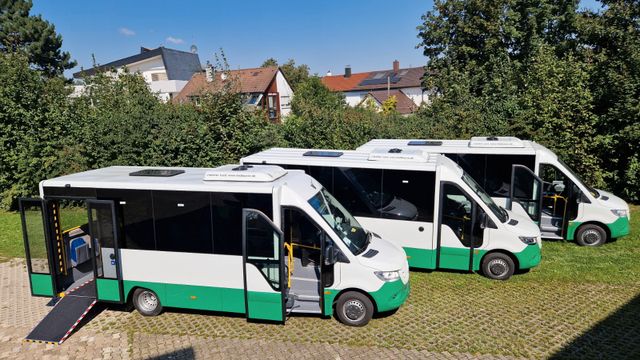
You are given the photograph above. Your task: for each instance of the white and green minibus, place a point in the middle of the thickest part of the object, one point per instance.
(255, 240)
(561, 203)
(424, 203)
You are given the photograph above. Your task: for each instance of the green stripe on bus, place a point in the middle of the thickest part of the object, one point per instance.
(458, 258)
(41, 285)
(571, 229)
(108, 289)
(265, 306)
(193, 296)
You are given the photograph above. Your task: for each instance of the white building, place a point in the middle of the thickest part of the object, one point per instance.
(166, 71)
(404, 84)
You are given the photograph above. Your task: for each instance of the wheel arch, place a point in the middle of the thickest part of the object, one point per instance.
(501, 251)
(604, 227)
(341, 292)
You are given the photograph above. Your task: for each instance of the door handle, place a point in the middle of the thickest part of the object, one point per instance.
(112, 256)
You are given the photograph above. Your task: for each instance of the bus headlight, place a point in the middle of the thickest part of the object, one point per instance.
(619, 212)
(529, 240)
(388, 275)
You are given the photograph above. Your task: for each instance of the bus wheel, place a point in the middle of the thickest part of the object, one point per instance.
(354, 309)
(498, 266)
(146, 302)
(591, 235)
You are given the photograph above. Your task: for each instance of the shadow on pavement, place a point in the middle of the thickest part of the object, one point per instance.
(616, 337)
(182, 354)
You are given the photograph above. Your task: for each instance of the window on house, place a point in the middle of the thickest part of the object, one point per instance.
(159, 77)
(195, 100)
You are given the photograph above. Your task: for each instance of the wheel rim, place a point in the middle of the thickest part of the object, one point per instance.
(147, 301)
(354, 310)
(498, 267)
(591, 237)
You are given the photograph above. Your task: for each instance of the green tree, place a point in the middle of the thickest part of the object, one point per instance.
(295, 74)
(389, 105)
(36, 37)
(610, 41)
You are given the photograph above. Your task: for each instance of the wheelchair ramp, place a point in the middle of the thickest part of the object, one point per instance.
(64, 317)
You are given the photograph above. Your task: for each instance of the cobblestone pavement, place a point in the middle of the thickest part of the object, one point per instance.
(20, 312)
(446, 317)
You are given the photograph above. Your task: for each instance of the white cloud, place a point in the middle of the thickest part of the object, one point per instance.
(126, 32)
(174, 40)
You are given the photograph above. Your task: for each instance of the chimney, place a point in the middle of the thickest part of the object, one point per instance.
(347, 71)
(329, 73)
(396, 66)
(210, 73)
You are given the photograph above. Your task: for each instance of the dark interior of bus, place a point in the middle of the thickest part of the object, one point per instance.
(305, 239)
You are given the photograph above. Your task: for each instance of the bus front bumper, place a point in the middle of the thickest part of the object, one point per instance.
(529, 257)
(619, 227)
(391, 295)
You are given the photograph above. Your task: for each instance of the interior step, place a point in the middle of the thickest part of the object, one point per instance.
(297, 310)
(307, 297)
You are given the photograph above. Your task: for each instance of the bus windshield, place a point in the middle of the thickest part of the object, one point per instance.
(593, 191)
(499, 212)
(341, 221)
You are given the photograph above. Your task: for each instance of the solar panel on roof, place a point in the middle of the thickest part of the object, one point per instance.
(157, 172)
(425, 143)
(323, 153)
(381, 81)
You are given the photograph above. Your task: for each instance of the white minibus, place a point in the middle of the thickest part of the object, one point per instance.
(256, 240)
(562, 204)
(425, 203)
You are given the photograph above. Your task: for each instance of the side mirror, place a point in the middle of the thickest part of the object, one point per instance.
(483, 220)
(330, 254)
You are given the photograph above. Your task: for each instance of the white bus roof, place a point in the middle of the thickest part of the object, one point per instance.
(477, 145)
(253, 179)
(395, 159)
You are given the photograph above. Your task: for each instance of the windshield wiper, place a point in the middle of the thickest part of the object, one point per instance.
(366, 244)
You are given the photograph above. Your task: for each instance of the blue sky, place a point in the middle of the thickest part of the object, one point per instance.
(326, 35)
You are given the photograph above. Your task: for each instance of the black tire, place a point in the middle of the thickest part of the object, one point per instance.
(498, 266)
(591, 235)
(146, 302)
(354, 309)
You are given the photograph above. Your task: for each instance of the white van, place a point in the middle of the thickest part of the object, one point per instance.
(562, 204)
(257, 240)
(425, 203)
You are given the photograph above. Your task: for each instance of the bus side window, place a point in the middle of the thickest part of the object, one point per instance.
(359, 190)
(137, 217)
(226, 212)
(457, 211)
(183, 221)
(408, 189)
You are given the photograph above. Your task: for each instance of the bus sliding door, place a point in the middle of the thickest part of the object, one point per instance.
(461, 229)
(37, 246)
(105, 255)
(263, 260)
(526, 190)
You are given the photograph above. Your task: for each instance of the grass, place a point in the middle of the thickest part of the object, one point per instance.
(579, 303)
(11, 241)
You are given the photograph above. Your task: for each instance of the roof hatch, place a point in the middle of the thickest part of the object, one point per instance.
(323, 153)
(424, 143)
(396, 154)
(157, 172)
(496, 142)
(248, 173)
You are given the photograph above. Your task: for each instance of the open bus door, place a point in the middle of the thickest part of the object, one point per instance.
(105, 254)
(264, 270)
(526, 189)
(37, 246)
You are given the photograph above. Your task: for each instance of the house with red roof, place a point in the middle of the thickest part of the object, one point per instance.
(263, 88)
(377, 86)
